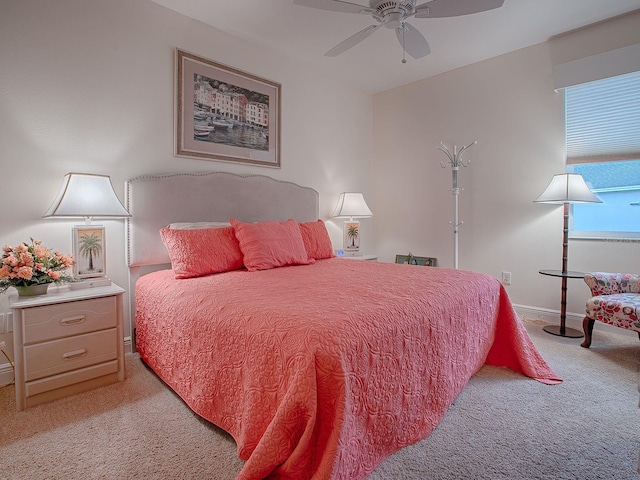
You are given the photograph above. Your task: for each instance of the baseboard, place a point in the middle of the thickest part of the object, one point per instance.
(6, 373)
(128, 345)
(546, 316)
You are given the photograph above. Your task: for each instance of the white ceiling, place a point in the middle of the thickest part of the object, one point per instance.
(375, 64)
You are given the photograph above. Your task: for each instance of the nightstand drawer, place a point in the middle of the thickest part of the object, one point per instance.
(65, 319)
(44, 385)
(64, 355)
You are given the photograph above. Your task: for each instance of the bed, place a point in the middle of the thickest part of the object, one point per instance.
(318, 367)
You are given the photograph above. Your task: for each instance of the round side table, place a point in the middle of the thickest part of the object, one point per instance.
(561, 330)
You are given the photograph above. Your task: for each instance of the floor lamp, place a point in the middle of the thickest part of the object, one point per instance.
(565, 189)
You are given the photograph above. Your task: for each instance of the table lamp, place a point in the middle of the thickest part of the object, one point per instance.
(88, 196)
(351, 205)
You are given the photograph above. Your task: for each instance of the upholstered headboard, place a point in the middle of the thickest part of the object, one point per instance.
(154, 201)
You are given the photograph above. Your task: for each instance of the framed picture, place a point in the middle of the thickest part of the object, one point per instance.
(89, 250)
(225, 114)
(351, 236)
(413, 260)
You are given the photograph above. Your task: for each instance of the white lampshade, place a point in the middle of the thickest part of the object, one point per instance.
(352, 205)
(87, 195)
(567, 188)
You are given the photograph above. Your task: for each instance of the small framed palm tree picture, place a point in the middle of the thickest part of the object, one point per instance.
(351, 240)
(89, 251)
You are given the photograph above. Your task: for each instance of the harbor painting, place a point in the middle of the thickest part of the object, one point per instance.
(225, 114)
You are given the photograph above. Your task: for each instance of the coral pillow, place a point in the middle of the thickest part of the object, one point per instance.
(195, 253)
(316, 240)
(268, 245)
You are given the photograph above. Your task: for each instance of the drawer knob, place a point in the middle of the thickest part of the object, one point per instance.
(75, 354)
(73, 320)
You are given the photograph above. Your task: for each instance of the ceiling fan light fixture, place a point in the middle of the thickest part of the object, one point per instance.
(393, 20)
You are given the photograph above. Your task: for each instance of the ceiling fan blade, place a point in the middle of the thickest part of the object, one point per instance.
(413, 42)
(334, 6)
(455, 8)
(352, 41)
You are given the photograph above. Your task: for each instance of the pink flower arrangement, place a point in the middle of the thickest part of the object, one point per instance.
(33, 264)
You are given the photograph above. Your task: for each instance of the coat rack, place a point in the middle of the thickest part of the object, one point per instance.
(455, 160)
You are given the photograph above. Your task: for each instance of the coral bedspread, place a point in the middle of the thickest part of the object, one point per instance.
(324, 370)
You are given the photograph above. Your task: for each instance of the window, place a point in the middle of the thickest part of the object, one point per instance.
(617, 184)
(603, 145)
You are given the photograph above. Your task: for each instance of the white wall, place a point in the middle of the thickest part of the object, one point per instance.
(509, 106)
(87, 86)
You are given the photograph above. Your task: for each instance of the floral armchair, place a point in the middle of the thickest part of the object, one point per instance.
(615, 300)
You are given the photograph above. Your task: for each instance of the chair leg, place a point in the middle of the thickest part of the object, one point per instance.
(587, 326)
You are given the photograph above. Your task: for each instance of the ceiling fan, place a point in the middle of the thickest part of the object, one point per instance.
(394, 14)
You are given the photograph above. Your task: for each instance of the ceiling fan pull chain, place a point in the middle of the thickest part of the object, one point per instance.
(404, 60)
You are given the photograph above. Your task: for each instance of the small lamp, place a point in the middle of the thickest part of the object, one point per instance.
(564, 189)
(88, 196)
(351, 205)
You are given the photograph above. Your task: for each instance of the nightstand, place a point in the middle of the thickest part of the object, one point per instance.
(372, 258)
(67, 342)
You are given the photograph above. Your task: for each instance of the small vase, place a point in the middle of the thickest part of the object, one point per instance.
(33, 290)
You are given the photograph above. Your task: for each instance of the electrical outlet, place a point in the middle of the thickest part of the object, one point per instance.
(3, 345)
(506, 278)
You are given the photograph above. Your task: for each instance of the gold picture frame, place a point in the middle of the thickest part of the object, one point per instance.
(225, 114)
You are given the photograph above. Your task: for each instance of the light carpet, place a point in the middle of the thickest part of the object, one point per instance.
(502, 426)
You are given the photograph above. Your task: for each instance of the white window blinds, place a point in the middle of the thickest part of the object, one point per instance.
(603, 120)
